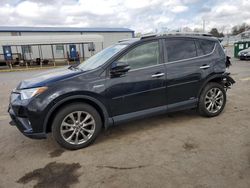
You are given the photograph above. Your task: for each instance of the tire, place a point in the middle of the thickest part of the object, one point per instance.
(209, 105)
(74, 121)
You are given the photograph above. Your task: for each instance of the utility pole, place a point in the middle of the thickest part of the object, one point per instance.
(204, 25)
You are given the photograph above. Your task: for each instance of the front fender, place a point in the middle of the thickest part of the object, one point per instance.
(75, 97)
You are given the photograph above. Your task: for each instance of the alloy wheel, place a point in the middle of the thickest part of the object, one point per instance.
(214, 100)
(77, 127)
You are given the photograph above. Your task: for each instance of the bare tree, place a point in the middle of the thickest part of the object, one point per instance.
(215, 33)
(237, 29)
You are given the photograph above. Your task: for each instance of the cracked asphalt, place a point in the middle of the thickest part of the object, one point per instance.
(173, 150)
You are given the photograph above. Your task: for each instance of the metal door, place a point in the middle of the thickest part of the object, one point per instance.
(7, 53)
(73, 52)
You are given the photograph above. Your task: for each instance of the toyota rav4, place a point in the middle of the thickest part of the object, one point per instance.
(132, 79)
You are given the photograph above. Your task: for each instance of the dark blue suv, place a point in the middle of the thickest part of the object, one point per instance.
(132, 79)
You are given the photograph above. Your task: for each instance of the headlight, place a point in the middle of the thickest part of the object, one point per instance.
(28, 93)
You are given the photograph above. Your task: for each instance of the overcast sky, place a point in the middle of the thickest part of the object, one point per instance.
(140, 15)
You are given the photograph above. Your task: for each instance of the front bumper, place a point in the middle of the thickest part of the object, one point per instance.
(244, 57)
(24, 125)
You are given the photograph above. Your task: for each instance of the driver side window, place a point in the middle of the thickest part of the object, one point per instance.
(142, 56)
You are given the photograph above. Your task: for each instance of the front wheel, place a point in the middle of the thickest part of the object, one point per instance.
(212, 100)
(76, 126)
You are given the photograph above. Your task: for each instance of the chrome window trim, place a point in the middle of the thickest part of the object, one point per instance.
(146, 67)
(171, 62)
(176, 61)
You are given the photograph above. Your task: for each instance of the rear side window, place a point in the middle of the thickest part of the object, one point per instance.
(180, 49)
(204, 47)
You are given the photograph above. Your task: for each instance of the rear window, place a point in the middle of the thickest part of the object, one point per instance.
(204, 47)
(179, 49)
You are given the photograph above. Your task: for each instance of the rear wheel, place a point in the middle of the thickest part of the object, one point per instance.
(212, 100)
(76, 126)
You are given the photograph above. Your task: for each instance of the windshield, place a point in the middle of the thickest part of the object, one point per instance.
(100, 58)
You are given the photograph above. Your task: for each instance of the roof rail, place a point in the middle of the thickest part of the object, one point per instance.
(176, 34)
(186, 34)
(148, 36)
(123, 40)
(128, 39)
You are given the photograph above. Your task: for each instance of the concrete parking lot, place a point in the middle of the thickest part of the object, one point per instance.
(175, 150)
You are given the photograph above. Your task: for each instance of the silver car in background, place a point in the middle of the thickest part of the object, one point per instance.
(244, 54)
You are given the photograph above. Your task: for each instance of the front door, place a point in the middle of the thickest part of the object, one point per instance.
(143, 86)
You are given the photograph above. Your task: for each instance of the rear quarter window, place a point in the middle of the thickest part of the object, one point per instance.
(204, 47)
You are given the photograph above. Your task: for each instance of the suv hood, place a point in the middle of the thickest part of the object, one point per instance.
(48, 77)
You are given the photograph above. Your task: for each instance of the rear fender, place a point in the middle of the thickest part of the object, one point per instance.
(224, 78)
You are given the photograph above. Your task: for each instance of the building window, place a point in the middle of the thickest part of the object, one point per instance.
(27, 49)
(91, 47)
(15, 34)
(59, 48)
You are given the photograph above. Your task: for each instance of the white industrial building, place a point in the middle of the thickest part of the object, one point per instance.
(56, 43)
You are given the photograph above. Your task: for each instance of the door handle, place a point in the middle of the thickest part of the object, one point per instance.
(157, 75)
(205, 67)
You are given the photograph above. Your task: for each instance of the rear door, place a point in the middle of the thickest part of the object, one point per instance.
(183, 70)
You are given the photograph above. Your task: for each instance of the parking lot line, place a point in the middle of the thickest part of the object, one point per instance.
(5, 117)
(245, 79)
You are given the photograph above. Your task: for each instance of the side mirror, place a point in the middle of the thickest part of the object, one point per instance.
(119, 69)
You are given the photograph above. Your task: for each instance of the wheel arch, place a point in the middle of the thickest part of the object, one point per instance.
(98, 105)
(213, 78)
